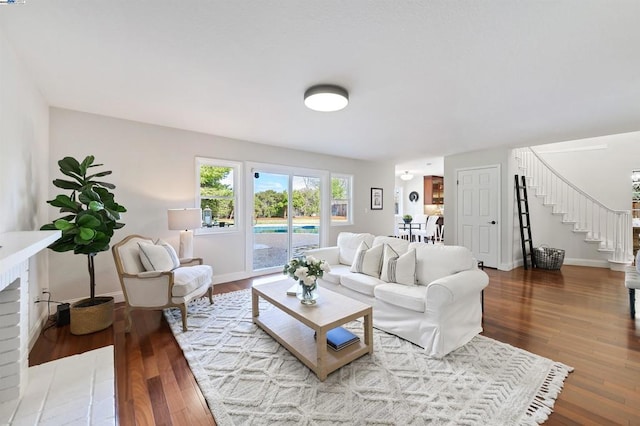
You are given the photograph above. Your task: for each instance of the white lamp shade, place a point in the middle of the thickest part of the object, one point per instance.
(183, 219)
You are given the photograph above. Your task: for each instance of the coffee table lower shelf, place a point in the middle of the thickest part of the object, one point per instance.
(299, 339)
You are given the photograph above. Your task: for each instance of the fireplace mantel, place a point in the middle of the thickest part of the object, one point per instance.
(17, 247)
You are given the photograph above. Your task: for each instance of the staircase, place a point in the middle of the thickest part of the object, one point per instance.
(609, 229)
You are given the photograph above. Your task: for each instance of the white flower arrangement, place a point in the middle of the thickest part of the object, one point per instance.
(306, 270)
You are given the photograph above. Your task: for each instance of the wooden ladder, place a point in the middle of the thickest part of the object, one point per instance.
(525, 222)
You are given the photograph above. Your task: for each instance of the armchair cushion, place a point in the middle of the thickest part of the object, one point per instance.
(158, 257)
(190, 278)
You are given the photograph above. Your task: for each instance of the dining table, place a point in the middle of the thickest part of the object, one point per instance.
(410, 227)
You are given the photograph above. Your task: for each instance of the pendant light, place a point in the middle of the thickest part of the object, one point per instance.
(406, 176)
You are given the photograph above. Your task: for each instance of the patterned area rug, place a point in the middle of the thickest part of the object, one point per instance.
(248, 378)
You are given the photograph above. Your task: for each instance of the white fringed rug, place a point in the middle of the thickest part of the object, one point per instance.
(248, 378)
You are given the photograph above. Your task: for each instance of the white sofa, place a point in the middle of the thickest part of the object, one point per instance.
(441, 312)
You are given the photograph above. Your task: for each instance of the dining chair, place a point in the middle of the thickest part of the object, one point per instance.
(428, 233)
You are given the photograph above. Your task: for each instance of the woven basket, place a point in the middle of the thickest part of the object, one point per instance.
(548, 258)
(87, 318)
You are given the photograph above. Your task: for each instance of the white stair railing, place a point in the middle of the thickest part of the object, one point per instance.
(611, 228)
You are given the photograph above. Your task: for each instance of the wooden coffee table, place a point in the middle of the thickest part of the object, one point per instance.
(293, 324)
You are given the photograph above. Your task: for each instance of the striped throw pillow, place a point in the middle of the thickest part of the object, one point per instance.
(398, 269)
(160, 256)
(368, 260)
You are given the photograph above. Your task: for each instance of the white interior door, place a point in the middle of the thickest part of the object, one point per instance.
(478, 213)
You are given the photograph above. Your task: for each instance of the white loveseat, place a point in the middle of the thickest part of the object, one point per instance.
(440, 312)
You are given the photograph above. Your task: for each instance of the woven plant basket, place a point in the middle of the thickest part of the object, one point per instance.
(548, 258)
(86, 318)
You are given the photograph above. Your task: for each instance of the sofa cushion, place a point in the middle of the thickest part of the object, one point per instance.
(361, 283)
(368, 260)
(435, 261)
(399, 245)
(160, 256)
(335, 273)
(190, 278)
(404, 296)
(398, 269)
(348, 243)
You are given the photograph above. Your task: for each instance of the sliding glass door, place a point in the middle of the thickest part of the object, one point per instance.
(286, 217)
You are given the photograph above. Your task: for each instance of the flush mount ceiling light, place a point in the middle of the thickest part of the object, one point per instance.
(406, 176)
(326, 98)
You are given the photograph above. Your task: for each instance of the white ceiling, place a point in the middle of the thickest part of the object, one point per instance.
(426, 78)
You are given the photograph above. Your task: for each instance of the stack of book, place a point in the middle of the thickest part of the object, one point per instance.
(339, 338)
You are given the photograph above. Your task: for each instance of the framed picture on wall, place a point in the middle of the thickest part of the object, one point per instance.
(376, 198)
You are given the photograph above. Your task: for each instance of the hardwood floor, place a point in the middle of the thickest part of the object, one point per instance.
(579, 316)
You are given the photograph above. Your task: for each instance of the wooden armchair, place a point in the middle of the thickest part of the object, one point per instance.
(157, 290)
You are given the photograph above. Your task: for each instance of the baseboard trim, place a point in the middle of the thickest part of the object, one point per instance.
(591, 263)
(34, 333)
(587, 262)
(235, 276)
(509, 266)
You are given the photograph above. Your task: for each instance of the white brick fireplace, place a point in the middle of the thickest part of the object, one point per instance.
(16, 248)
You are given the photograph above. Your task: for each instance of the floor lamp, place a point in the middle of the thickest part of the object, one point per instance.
(185, 220)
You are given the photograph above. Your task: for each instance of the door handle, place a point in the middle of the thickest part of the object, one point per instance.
(493, 222)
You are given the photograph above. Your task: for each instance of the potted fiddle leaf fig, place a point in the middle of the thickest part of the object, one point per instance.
(90, 217)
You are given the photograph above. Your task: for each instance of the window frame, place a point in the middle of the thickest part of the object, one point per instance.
(349, 198)
(237, 195)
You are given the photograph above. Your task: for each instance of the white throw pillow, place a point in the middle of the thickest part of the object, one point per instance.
(398, 269)
(160, 256)
(368, 260)
(387, 254)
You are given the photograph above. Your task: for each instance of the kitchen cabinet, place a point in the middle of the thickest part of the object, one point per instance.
(434, 190)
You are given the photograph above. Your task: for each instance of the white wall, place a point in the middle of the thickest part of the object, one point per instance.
(599, 166)
(24, 166)
(476, 159)
(153, 170)
(415, 184)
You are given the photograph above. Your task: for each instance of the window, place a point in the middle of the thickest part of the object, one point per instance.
(217, 194)
(341, 199)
